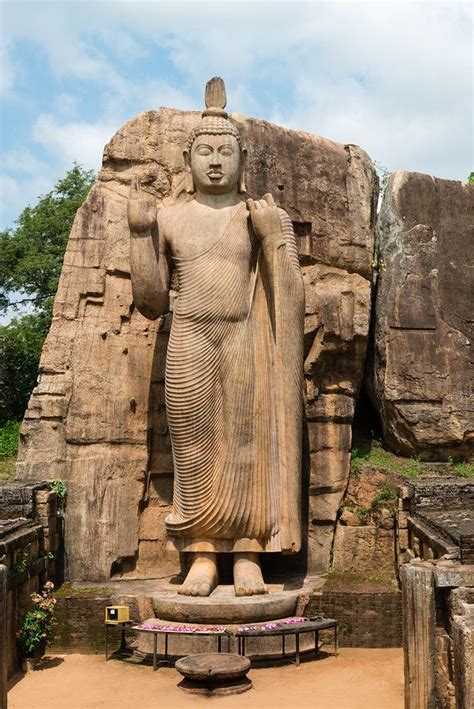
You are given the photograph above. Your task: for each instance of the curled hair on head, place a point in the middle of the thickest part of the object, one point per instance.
(215, 121)
(214, 125)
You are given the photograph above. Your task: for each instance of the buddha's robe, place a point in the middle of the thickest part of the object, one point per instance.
(234, 394)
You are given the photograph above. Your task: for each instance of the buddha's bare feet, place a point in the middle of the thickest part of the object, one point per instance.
(248, 579)
(203, 576)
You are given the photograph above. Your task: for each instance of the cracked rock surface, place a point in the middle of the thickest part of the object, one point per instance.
(421, 377)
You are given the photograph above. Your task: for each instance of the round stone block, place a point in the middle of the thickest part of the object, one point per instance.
(214, 673)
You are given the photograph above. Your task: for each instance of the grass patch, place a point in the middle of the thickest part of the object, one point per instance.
(373, 453)
(354, 580)
(9, 440)
(8, 449)
(464, 469)
(69, 589)
(7, 470)
(366, 451)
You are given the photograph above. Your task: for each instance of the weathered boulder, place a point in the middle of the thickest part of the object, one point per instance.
(97, 417)
(421, 378)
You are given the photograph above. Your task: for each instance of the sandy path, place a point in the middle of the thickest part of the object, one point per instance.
(357, 679)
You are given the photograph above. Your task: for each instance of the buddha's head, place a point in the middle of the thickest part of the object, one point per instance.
(214, 155)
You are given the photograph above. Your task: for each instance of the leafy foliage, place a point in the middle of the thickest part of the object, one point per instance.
(32, 256)
(386, 494)
(32, 252)
(21, 562)
(59, 487)
(465, 469)
(21, 342)
(9, 440)
(37, 628)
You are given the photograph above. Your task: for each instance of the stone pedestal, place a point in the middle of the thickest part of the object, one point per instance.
(224, 607)
(214, 674)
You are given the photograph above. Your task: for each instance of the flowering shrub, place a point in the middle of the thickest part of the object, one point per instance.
(37, 628)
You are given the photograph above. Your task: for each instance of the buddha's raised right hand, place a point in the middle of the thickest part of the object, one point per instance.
(141, 211)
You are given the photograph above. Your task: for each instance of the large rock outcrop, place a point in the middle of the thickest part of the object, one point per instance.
(97, 417)
(422, 370)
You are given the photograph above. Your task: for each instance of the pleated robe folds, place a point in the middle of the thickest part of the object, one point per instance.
(234, 394)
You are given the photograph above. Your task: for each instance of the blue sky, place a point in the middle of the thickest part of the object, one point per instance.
(392, 77)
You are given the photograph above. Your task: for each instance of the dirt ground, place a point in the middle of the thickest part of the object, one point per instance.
(356, 679)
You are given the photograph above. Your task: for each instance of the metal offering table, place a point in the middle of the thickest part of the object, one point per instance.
(218, 631)
(288, 626)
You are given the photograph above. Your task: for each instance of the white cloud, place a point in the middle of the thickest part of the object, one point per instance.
(69, 141)
(23, 160)
(7, 74)
(66, 105)
(17, 193)
(394, 77)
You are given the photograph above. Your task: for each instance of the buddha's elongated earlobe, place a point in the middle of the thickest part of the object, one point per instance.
(190, 188)
(241, 187)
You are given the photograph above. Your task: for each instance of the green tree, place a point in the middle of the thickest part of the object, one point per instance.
(33, 251)
(32, 255)
(21, 342)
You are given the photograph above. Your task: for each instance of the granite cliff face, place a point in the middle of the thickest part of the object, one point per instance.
(97, 417)
(421, 378)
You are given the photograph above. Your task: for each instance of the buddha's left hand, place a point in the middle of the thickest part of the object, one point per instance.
(265, 217)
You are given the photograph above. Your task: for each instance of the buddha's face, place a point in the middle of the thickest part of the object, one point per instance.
(215, 163)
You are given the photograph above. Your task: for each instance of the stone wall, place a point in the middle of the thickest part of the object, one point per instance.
(365, 619)
(438, 632)
(80, 624)
(29, 550)
(435, 517)
(97, 417)
(421, 378)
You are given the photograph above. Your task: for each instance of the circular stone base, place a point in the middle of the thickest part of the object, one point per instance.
(231, 687)
(214, 674)
(223, 606)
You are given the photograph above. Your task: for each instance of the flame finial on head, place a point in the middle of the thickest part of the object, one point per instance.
(215, 120)
(215, 97)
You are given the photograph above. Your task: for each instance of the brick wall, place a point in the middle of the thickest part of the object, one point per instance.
(79, 624)
(365, 619)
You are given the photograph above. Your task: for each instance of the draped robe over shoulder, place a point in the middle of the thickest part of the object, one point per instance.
(234, 394)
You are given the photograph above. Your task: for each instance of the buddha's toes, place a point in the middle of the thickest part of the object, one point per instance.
(202, 577)
(248, 579)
